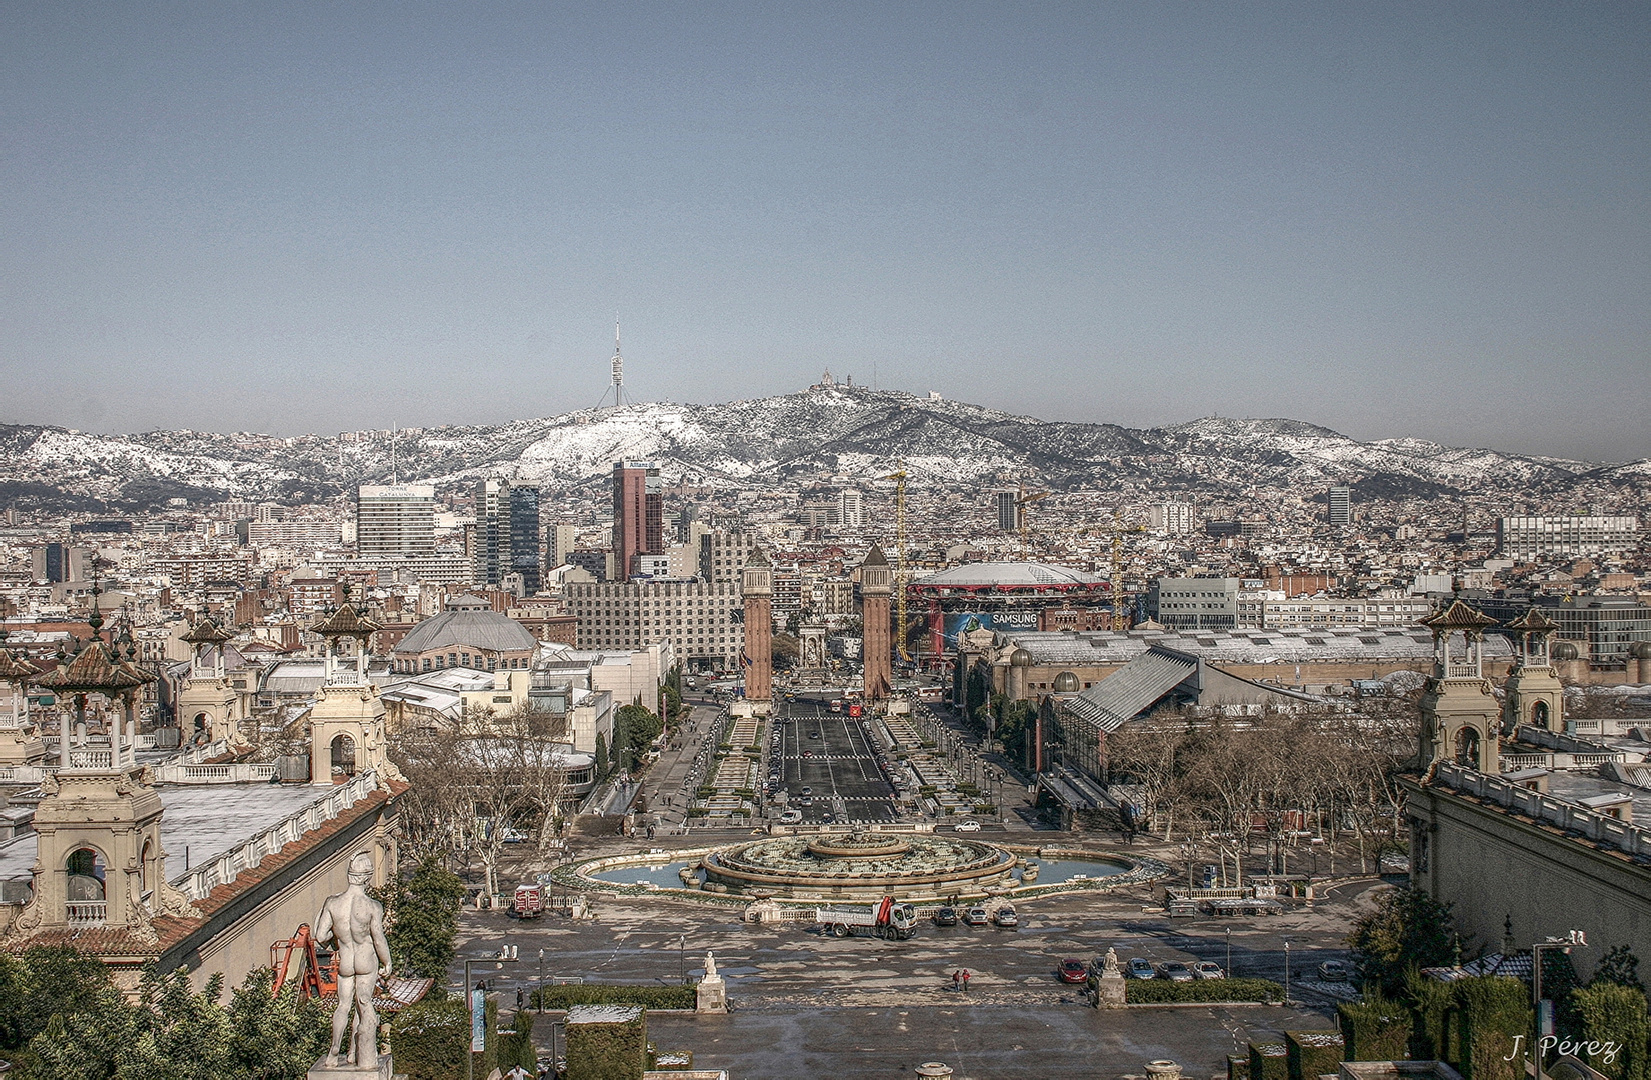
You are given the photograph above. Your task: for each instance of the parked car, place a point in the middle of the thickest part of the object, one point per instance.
(791, 817)
(813, 734)
(1006, 917)
(1174, 971)
(968, 825)
(808, 791)
(946, 916)
(976, 916)
(1335, 971)
(1139, 968)
(1204, 969)
(1074, 971)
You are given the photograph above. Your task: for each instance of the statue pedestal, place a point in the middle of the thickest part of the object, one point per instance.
(345, 1071)
(711, 996)
(1110, 994)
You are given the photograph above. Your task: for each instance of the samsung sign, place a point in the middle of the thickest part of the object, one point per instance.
(964, 622)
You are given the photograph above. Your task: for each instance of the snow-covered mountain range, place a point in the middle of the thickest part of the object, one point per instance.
(851, 432)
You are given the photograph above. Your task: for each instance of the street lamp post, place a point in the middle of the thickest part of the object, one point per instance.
(507, 955)
(1286, 971)
(1572, 939)
(682, 957)
(1229, 952)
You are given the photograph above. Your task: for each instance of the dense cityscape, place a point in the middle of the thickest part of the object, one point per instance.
(519, 698)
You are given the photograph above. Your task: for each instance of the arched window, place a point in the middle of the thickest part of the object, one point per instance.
(84, 895)
(1467, 748)
(1539, 714)
(343, 755)
(146, 868)
(202, 723)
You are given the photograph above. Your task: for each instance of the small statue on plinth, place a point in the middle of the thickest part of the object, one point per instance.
(1110, 986)
(711, 996)
(354, 922)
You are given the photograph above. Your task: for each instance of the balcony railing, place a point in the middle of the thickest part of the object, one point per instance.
(87, 912)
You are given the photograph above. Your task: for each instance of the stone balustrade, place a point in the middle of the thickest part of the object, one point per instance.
(198, 883)
(1600, 828)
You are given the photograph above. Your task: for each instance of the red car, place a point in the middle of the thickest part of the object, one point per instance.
(1074, 971)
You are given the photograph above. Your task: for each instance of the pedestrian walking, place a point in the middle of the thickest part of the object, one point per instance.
(957, 981)
(965, 980)
(518, 999)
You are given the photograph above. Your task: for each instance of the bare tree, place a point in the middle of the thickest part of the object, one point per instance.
(479, 781)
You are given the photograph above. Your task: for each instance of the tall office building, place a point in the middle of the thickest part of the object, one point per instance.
(525, 558)
(1341, 506)
(490, 551)
(1008, 519)
(849, 513)
(394, 521)
(561, 541)
(638, 514)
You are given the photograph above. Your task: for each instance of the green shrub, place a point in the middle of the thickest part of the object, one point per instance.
(1269, 1061)
(1490, 1012)
(1313, 1053)
(1163, 991)
(516, 1045)
(430, 1039)
(1375, 1029)
(1238, 1068)
(606, 1043)
(651, 997)
(1616, 1014)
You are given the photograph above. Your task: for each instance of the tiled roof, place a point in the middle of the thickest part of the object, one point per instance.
(346, 622)
(206, 632)
(94, 670)
(1458, 616)
(13, 669)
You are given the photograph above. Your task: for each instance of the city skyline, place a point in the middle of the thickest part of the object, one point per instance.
(1418, 221)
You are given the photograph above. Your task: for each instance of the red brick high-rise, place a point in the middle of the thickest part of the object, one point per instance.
(638, 514)
(757, 589)
(876, 586)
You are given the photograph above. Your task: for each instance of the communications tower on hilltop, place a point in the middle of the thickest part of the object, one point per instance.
(618, 364)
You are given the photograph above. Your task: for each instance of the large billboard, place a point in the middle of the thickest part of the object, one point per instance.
(1012, 621)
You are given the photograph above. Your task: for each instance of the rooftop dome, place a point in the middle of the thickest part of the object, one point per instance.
(1563, 650)
(1066, 683)
(1640, 650)
(477, 628)
(1020, 658)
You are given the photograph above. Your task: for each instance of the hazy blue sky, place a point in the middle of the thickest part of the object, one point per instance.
(1429, 219)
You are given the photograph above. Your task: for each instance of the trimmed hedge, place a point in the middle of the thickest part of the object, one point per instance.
(1490, 1012)
(649, 997)
(1313, 1053)
(430, 1039)
(516, 1045)
(607, 1050)
(1375, 1029)
(1616, 1014)
(1269, 1061)
(1164, 991)
(1238, 1068)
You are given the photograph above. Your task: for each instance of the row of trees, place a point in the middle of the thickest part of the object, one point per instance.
(1221, 776)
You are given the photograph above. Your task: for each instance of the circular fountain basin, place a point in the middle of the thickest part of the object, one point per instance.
(866, 866)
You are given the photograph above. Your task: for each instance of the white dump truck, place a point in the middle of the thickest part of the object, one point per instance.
(887, 919)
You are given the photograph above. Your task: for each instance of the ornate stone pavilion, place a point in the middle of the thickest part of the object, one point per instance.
(197, 858)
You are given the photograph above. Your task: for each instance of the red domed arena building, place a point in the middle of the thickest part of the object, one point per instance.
(1007, 597)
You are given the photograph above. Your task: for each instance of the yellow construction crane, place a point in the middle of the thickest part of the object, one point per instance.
(1022, 501)
(899, 479)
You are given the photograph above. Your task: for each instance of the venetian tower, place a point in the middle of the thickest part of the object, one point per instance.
(1461, 720)
(876, 586)
(757, 590)
(1533, 694)
(207, 707)
(347, 720)
(99, 861)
